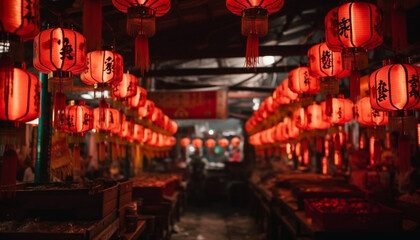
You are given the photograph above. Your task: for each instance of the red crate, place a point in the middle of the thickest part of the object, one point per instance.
(382, 218)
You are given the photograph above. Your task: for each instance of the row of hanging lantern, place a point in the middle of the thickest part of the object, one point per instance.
(351, 30)
(210, 143)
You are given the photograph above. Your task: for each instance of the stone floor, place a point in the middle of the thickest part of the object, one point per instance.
(217, 221)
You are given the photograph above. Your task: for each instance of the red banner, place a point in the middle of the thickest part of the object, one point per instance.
(203, 103)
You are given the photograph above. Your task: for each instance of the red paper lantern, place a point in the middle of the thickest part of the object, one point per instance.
(127, 87)
(300, 118)
(139, 99)
(197, 143)
(342, 111)
(185, 142)
(141, 24)
(147, 110)
(20, 96)
(235, 141)
(325, 63)
(106, 118)
(103, 67)
(223, 142)
(301, 81)
(315, 118)
(279, 132)
(254, 22)
(366, 115)
(147, 135)
(20, 17)
(268, 136)
(210, 143)
(138, 133)
(291, 130)
(157, 116)
(59, 49)
(279, 98)
(354, 25)
(286, 92)
(395, 87)
(118, 127)
(78, 118)
(127, 129)
(172, 127)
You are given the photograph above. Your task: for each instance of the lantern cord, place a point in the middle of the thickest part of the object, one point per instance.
(142, 53)
(8, 173)
(252, 51)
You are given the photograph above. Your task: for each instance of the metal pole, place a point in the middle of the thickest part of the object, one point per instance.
(43, 145)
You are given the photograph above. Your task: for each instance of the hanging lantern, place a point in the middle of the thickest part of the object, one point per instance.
(197, 143)
(20, 96)
(106, 118)
(157, 116)
(210, 143)
(279, 132)
(141, 24)
(286, 91)
(302, 82)
(291, 130)
(147, 109)
(103, 67)
(235, 141)
(355, 27)
(300, 118)
(118, 127)
(79, 118)
(59, 50)
(395, 87)
(185, 142)
(127, 129)
(223, 142)
(279, 98)
(137, 133)
(20, 17)
(173, 127)
(139, 99)
(315, 118)
(147, 135)
(254, 23)
(366, 115)
(342, 111)
(127, 87)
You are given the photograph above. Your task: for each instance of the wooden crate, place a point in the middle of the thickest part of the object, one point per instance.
(67, 204)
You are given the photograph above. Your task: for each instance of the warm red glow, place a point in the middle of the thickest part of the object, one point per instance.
(106, 118)
(20, 96)
(236, 6)
(139, 99)
(185, 142)
(324, 165)
(372, 150)
(146, 110)
(210, 143)
(301, 81)
(60, 49)
(323, 62)
(291, 130)
(418, 134)
(20, 17)
(223, 142)
(160, 7)
(337, 158)
(342, 111)
(395, 87)
(197, 142)
(286, 92)
(235, 141)
(365, 114)
(127, 87)
(315, 118)
(352, 25)
(300, 118)
(103, 67)
(78, 118)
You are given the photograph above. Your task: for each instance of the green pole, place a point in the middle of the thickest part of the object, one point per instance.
(43, 145)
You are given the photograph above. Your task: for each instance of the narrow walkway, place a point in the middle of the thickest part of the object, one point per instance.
(216, 222)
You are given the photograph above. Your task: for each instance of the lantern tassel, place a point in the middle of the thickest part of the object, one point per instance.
(59, 109)
(328, 105)
(252, 51)
(354, 85)
(92, 24)
(8, 173)
(399, 30)
(142, 53)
